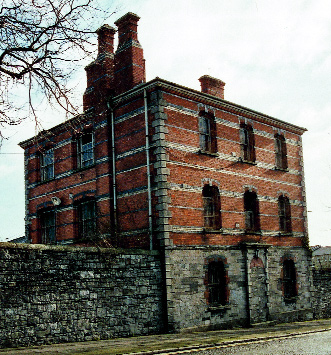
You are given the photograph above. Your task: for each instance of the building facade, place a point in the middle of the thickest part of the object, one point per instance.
(216, 187)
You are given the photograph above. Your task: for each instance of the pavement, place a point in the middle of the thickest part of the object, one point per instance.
(180, 342)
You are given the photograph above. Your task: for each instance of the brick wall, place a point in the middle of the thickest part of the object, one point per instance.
(64, 294)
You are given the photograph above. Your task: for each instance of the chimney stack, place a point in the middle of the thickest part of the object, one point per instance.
(212, 86)
(100, 73)
(129, 59)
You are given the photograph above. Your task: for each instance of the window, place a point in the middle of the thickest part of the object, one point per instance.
(85, 151)
(47, 165)
(284, 209)
(211, 207)
(251, 206)
(207, 129)
(281, 152)
(47, 227)
(247, 143)
(289, 281)
(86, 218)
(217, 284)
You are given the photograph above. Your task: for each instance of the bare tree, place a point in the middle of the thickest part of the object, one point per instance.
(41, 42)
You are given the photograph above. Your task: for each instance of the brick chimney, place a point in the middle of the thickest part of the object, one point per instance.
(129, 57)
(212, 86)
(100, 73)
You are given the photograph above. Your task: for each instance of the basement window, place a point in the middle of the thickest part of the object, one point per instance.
(211, 207)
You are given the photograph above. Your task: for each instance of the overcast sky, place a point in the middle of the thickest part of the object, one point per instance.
(274, 57)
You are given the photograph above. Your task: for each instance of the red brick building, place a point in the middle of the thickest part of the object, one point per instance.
(217, 187)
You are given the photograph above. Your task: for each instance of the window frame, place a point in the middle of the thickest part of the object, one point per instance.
(47, 166)
(280, 152)
(211, 207)
(284, 213)
(207, 133)
(86, 148)
(247, 142)
(47, 230)
(252, 213)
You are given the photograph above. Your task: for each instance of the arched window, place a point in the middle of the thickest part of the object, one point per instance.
(217, 284)
(211, 207)
(251, 205)
(289, 281)
(247, 143)
(281, 152)
(284, 210)
(207, 130)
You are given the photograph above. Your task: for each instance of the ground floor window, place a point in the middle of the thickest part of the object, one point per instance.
(217, 284)
(47, 227)
(289, 281)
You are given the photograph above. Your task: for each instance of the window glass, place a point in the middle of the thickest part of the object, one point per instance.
(251, 211)
(207, 130)
(47, 165)
(47, 222)
(247, 143)
(87, 222)
(284, 208)
(281, 152)
(211, 207)
(85, 150)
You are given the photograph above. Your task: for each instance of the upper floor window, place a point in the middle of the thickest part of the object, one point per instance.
(207, 130)
(211, 207)
(251, 205)
(47, 227)
(85, 150)
(284, 209)
(247, 143)
(86, 218)
(281, 152)
(217, 284)
(47, 165)
(289, 281)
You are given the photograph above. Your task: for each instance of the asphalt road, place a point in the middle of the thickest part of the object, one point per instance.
(310, 344)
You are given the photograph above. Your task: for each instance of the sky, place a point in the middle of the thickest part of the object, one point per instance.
(274, 56)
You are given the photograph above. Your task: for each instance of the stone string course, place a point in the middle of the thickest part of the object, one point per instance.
(65, 294)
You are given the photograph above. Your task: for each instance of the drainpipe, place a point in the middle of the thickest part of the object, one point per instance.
(267, 281)
(113, 169)
(247, 279)
(150, 221)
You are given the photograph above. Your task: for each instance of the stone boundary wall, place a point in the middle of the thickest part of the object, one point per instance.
(53, 294)
(322, 293)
